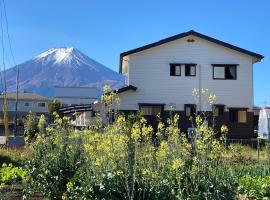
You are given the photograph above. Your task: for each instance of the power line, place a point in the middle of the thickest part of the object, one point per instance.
(3, 48)
(8, 35)
(13, 59)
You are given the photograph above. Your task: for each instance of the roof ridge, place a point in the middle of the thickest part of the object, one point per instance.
(184, 34)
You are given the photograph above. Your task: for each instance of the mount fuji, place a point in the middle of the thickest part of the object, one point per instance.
(61, 67)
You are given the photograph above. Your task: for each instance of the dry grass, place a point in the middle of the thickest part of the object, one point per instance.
(16, 156)
(244, 153)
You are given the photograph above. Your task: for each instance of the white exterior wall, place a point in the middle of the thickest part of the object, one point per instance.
(149, 71)
(76, 95)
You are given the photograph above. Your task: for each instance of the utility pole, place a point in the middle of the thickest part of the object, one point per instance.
(16, 103)
(5, 111)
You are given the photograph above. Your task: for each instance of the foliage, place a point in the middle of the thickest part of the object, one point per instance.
(54, 161)
(110, 101)
(53, 107)
(10, 174)
(42, 125)
(254, 187)
(128, 159)
(30, 128)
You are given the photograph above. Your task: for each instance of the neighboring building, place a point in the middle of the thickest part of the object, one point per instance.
(163, 74)
(80, 115)
(76, 95)
(26, 102)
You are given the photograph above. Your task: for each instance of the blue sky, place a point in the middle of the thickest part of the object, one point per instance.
(102, 29)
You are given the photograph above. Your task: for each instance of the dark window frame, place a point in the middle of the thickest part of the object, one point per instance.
(41, 103)
(193, 109)
(190, 65)
(234, 118)
(172, 69)
(225, 66)
(152, 104)
(221, 109)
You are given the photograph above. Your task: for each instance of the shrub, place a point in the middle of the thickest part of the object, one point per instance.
(254, 187)
(127, 159)
(10, 174)
(53, 107)
(30, 128)
(55, 160)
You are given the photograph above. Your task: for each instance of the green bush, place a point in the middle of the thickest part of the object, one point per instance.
(11, 175)
(54, 162)
(127, 159)
(254, 187)
(30, 128)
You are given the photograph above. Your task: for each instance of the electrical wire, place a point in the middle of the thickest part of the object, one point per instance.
(3, 48)
(8, 35)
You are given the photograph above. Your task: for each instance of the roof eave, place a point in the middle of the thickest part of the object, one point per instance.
(259, 57)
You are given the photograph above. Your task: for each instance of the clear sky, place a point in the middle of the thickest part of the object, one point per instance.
(102, 29)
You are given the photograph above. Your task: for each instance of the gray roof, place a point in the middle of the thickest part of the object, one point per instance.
(25, 96)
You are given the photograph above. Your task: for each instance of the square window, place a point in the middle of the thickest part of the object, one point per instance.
(225, 72)
(190, 70)
(238, 115)
(190, 109)
(218, 110)
(219, 72)
(175, 69)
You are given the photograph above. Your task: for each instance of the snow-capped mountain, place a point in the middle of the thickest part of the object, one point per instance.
(61, 67)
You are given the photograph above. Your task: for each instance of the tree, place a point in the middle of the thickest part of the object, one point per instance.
(42, 125)
(111, 101)
(53, 107)
(30, 128)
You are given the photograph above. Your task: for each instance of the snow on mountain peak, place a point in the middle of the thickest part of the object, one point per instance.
(63, 55)
(65, 66)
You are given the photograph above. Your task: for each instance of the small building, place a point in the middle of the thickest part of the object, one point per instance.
(74, 95)
(80, 115)
(27, 101)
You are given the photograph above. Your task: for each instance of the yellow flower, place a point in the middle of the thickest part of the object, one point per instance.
(177, 163)
(224, 129)
(198, 120)
(145, 172)
(163, 150)
(119, 172)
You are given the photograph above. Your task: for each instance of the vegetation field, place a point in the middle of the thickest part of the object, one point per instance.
(127, 159)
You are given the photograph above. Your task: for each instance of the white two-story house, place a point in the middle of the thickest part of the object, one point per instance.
(163, 74)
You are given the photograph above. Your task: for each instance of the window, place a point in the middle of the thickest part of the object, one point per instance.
(28, 104)
(175, 69)
(151, 109)
(42, 104)
(239, 116)
(190, 70)
(218, 110)
(227, 72)
(190, 109)
(242, 116)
